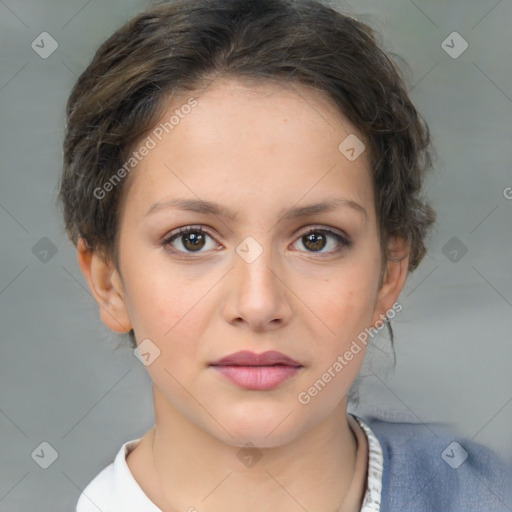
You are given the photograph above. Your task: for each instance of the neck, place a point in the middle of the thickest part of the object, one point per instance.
(196, 471)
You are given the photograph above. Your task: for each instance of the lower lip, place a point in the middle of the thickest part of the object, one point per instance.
(258, 378)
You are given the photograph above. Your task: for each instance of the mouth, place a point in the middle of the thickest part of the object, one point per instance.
(247, 358)
(259, 372)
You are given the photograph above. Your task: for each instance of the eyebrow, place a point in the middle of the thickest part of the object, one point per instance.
(210, 208)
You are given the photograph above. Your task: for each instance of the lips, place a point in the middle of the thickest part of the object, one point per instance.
(247, 358)
(257, 372)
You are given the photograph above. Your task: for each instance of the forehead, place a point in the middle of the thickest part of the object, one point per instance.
(248, 140)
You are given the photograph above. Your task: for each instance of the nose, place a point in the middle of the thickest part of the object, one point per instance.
(258, 295)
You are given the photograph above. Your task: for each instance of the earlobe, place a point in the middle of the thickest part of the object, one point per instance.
(106, 287)
(395, 275)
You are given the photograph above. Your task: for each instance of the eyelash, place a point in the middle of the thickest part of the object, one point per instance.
(342, 242)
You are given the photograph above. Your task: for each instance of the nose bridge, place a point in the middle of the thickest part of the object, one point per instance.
(256, 260)
(257, 294)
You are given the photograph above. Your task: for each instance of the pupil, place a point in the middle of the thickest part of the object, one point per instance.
(318, 240)
(195, 240)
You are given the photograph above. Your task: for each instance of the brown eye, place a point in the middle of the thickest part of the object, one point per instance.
(191, 239)
(315, 240)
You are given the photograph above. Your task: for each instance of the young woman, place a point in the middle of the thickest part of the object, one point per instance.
(242, 180)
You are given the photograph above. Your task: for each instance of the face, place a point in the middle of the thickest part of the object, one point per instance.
(257, 271)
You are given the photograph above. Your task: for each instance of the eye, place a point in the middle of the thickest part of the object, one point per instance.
(194, 238)
(191, 238)
(317, 239)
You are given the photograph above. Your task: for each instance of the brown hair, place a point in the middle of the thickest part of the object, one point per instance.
(179, 46)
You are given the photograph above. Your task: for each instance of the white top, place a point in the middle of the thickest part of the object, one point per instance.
(115, 489)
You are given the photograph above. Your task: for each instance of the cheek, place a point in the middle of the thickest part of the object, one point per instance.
(166, 308)
(345, 311)
(345, 305)
(174, 322)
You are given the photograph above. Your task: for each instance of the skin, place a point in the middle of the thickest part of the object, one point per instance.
(197, 307)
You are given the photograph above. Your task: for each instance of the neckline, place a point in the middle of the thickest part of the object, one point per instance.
(373, 479)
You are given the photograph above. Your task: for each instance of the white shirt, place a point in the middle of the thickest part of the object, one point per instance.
(115, 489)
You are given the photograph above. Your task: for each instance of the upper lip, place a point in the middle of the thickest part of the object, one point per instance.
(247, 358)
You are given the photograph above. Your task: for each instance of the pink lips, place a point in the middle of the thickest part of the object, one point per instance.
(257, 371)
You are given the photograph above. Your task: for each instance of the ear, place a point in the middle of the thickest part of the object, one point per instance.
(106, 287)
(395, 274)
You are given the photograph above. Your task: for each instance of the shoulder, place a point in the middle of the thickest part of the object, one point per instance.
(99, 492)
(428, 466)
(113, 489)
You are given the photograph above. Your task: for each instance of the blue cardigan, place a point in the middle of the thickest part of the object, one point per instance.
(424, 471)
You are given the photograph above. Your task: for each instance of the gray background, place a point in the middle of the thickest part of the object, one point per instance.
(62, 379)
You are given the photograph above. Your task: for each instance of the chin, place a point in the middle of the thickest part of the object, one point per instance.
(259, 432)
